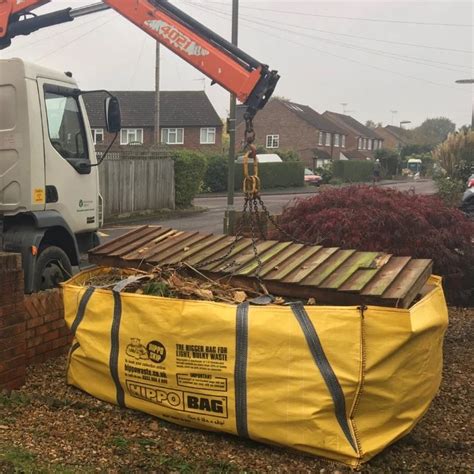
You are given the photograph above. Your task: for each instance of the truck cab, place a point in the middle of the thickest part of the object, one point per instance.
(50, 206)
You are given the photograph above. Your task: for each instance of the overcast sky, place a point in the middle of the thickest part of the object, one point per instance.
(323, 61)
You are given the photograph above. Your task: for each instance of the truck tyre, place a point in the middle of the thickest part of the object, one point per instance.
(52, 267)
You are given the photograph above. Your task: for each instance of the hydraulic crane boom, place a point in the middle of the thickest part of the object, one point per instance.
(251, 81)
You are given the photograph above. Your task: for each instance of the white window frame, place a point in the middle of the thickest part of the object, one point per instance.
(328, 139)
(337, 140)
(369, 143)
(343, 141)
(130, 136)
(170, 136)
(360, 143)
(95, 133)
(208, 136)
(321, 139)
(273, 141)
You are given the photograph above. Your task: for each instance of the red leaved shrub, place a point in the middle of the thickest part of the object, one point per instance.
(382, 219)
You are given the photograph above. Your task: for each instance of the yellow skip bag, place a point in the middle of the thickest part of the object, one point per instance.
(338, 382)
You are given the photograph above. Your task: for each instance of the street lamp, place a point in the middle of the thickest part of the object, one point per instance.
(468, 81)
(405, 122)
(393, 112)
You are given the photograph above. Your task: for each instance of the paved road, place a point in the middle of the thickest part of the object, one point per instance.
(212, 220)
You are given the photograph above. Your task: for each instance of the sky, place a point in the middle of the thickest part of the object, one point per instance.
(376, 56)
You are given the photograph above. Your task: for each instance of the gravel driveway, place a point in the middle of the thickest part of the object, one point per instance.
(50, 427)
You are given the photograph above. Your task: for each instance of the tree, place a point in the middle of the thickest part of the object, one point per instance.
(433, 131)
(389, 160)
(288, 155)
(456, 155)
(372, 124)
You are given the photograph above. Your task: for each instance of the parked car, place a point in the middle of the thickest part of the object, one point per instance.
(467, 205)
(311, 178)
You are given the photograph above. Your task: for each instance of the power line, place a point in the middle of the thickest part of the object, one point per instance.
(74, 40)
(339, 56)
(399, 57)
(375, 20)
(399, 43)
(58, 33)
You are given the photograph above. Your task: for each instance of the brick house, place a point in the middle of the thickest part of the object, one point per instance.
(187, 120)
(394, 137)
(359, 137)
(286, 125)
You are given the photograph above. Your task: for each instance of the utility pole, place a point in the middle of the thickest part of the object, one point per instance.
(393, 112)
(157, 96)
(468, 81)
(229, 226)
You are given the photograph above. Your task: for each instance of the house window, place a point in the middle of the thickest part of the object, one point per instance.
(359, 144)
(98, 135)
(343, 141)
(273, 141)
(380, 143)
(337, 139)
(173, 136)
(131, 136)
(328, 139)
(369, 143)
(321, 138)
(208, 136)
(364, 144)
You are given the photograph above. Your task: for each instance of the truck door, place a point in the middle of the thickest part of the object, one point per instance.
(71, 183)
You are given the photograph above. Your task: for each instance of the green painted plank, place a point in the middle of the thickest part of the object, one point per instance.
(329, 267)
(240, 247)
(348, 268)
(269, 255)
(311, 265)
(293, 263)
(273, 265)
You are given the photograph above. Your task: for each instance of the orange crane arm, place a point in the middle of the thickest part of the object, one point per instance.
(251, 81)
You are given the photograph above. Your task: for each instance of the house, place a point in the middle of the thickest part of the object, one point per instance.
(395, 138)
(187, 119)
(286, 125)
(359, 137)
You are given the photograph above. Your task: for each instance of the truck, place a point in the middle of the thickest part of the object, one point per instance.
(50, 202)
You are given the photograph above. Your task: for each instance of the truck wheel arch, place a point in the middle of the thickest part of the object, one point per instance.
(38, 229)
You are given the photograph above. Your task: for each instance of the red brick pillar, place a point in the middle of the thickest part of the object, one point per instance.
(12, 322)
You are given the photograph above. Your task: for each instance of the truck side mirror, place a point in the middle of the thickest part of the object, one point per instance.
(113, 118)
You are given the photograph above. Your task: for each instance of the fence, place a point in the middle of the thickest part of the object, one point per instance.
(134, 183)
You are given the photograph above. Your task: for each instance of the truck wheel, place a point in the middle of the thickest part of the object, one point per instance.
(52, 267)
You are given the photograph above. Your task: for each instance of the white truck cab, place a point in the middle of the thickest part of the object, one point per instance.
(50, 205)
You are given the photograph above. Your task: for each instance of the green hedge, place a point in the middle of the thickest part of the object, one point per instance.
(189, 170)
(274, 175)
(215, 179)
(353, 171)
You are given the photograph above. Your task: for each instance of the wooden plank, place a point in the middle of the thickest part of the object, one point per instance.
(348, 268)
(174, 253)
(409, 282)
(242, 245)
(147, 249)
(199, 246)
(271, 254)
(167, 246)
(209, 254)
(232, 264)
(138, 244)
(293, 263)
(328, 267)
(386, 276)
(311, 265)
(273, 265)
(123, 240)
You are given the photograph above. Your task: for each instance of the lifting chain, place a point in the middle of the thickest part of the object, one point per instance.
(253, 202)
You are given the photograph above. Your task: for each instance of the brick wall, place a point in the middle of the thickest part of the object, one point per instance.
(32, 327)
(192, 140)
(295, 133)
(12, 323)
